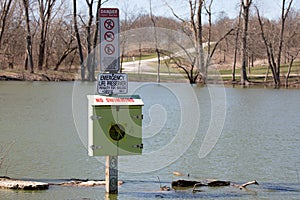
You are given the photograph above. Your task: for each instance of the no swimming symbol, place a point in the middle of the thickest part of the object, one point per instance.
(109, 49)
(109, 24)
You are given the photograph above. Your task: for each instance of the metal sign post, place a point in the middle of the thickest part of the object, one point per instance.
(111, 174)
(111, 83)
(114, 121)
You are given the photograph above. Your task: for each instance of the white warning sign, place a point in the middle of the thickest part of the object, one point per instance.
(112, 83)
(109, 38)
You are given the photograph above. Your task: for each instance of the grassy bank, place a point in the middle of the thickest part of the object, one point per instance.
(256, 74)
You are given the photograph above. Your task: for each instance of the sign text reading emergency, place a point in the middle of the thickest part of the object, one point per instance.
(112, 77)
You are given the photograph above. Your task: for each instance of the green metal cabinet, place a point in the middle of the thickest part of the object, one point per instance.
(115, 125)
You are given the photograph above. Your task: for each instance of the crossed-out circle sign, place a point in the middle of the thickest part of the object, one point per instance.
(109, 49)
(109, 24)
(109, 39)
(109, 36)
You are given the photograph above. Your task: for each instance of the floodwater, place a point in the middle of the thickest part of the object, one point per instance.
(231, 134)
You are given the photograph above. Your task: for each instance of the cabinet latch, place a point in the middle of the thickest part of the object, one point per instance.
(95, 117)
(94, 147)
(138, 116)
(138, 146)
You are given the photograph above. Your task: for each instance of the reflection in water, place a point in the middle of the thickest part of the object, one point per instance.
(111, 196)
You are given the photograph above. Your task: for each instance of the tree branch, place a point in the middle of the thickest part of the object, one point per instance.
(175, 15)
(220, 40)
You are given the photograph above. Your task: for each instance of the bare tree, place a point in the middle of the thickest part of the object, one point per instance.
(29, 58)
(292, 49)
(82, 67)
(12, 49)
(45, 12)
(156, 42)
(237, 32)
(64, 36)
(193, 28)
(4, 10)
(292, 59)
(91, 42)
(284, 15)
(95, 40)
(245, 7)
(275, 64)
(211, 50)
(198, 63)
(92, 64)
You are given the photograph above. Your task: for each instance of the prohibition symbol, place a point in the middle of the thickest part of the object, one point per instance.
(109, 49)
(109, 36)
(109, 24)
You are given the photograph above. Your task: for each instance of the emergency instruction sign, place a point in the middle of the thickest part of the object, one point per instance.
(109, 38)
(112, 83)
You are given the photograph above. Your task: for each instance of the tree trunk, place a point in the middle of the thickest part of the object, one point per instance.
(4, 13)
(288, 73)
(208, 57)
(91, 76)
(267, 73)
(29, 53)
(290, 68)
(156, 44)
(269, 49)
(64, 56)
(94, 61)
(284, 14)
(199, 36)
(236, 44)
(28, 59)
(82, 68)
(140, 60)
(246, 7)
(45, 12)
(41, 52)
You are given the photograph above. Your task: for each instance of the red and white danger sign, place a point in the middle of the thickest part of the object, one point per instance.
(109, 38)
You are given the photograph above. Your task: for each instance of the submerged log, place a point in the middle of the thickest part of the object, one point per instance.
(209, 183)
(218, 183)
(7, 183)
(185, 183)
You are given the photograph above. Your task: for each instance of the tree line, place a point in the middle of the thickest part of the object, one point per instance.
(56, 35)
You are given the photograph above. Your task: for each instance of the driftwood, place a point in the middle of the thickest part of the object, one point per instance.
(8, 183)
(209, 183)
(85, 183)
(163, 188)
(185, 183)
(10, 78)
(206, 182)
(217, 183)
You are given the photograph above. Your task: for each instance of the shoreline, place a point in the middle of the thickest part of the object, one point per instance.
(58, 77)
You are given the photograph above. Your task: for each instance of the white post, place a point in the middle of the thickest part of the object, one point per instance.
(111, 174)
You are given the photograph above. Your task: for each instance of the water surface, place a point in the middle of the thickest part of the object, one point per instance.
(259, 139)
